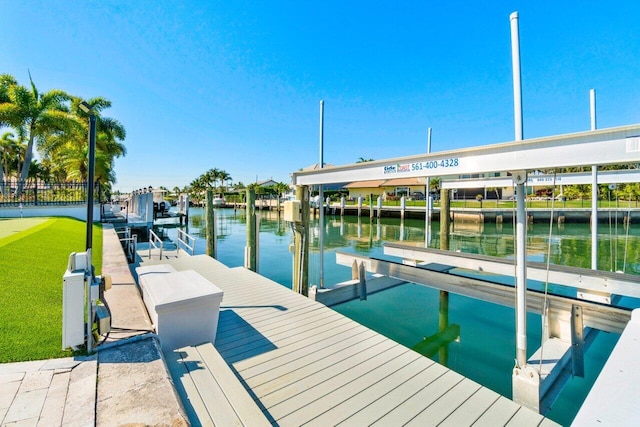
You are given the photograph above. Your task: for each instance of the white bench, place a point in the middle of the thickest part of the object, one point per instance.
(183, 305)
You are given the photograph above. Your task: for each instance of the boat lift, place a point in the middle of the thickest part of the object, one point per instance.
(620, 145)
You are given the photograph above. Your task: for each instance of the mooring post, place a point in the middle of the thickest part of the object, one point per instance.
(402, 206)
(443, 315)
(379, 206)
(445, 218)
(250, 248)
(342, 204)
(362, 286)
(210, 226)
(301, 244)
(359, 206)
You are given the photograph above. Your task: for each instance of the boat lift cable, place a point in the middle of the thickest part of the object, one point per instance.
(611, 252)
(545, 305)
(626, 238)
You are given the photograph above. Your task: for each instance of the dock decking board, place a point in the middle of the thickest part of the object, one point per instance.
(305, 363)
(313, 374)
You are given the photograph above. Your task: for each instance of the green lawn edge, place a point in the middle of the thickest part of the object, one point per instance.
(32, 264)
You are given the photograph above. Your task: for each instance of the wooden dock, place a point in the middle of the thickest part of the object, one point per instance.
(302, 363)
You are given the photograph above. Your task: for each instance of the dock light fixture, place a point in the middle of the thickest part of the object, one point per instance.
(85, 107)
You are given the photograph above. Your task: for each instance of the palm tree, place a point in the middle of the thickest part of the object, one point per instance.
(223, 176)
(68, 152)
(40, 114)
(363, 160)
(6, 81)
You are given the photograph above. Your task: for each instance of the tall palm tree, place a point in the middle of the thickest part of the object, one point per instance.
(68, 152)
(223, 176)
(40, 114)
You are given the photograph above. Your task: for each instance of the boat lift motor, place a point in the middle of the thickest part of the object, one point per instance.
(81, 293)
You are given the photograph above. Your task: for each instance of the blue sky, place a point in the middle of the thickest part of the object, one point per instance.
(236, 85)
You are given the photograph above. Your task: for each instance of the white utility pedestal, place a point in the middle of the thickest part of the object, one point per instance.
(73, 301)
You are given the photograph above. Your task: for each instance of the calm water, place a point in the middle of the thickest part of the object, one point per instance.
(485, 349)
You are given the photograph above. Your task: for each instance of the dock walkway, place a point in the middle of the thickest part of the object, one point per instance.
(305, 364)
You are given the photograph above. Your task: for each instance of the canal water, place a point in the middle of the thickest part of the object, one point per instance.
(485, 349)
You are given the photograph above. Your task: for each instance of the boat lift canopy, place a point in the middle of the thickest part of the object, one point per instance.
(618, 145)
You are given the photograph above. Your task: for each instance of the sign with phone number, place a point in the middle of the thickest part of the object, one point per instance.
(431, 164)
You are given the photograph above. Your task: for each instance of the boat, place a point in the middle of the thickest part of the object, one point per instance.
(160, 205)
(218, 201)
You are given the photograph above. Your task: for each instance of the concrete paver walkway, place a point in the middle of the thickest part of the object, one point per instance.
(48, 392)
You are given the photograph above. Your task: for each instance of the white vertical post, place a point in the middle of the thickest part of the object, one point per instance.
(594, 190)
(521, 276)
(427, 218)
(521, 219)
(517, 85)
(321, 200)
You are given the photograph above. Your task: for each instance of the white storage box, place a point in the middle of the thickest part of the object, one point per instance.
(183, 307)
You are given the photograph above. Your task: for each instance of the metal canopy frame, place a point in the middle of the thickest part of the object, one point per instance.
(618, 145)
(604, 177)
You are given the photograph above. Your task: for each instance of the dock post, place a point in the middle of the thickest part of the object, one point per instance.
(342, 203)
(359, 206)
(443, 315)
(445, 218)
(301, 244)
(250, 249)
(362, 286)
(403, 202)
(210, 226)
(379, 206)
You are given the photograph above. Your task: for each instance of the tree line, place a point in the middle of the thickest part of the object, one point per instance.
(53, 124)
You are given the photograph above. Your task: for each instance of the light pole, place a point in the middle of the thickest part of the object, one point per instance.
(91, 172)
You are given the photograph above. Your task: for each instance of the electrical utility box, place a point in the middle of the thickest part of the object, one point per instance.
(292, 211)
(73, 301)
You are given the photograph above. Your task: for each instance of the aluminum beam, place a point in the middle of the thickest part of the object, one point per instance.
(579, 278)
(604, 177)
(601, 147)
(597, 316)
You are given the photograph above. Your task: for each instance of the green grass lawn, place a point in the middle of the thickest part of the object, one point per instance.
(33, 258)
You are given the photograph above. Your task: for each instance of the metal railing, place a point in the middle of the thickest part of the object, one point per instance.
(155, 242)
(189, 242)
(129, 243)
(37, 193)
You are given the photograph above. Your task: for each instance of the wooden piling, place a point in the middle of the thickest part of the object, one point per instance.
(445, 218)
(301, 244)
(362, 286)
(443, 314)
(210, 226)
(250, 248)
